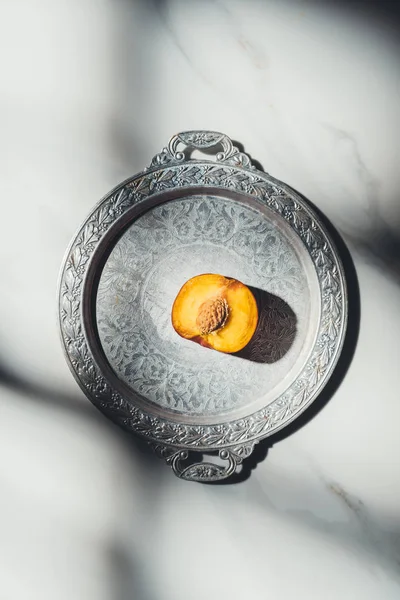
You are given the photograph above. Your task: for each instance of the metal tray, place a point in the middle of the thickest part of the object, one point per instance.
(180, 217)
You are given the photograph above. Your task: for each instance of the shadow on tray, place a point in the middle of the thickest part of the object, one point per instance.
(276, 329)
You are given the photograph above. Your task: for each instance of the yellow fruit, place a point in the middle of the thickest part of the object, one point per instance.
(216, 312)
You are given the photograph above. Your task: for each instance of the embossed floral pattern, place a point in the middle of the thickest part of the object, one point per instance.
(237, 432)
(180, 239)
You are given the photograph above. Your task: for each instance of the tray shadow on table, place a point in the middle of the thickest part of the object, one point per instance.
(261, 449)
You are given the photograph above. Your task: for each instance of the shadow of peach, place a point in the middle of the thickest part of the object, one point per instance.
(276, 329)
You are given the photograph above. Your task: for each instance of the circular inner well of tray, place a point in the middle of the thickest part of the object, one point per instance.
(145, 270)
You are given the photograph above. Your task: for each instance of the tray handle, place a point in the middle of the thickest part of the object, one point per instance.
(224, 150)
(204, 472)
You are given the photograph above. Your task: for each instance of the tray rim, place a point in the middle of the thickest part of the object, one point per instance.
(159, 430)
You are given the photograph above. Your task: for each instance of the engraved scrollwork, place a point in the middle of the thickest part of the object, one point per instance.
(169, 172)
(151, 261)
(204, 471)
(202, 140)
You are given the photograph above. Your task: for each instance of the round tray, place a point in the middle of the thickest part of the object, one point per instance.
(181, 217)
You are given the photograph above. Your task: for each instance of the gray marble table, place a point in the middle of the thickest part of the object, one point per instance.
(89, 91)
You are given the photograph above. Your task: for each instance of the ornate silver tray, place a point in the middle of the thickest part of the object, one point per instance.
(180, 217)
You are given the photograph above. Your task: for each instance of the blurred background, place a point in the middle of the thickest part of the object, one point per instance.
(90, 90)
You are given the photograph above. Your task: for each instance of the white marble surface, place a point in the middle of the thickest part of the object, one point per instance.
(89, 91)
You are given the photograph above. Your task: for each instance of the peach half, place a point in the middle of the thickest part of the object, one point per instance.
(215, 311)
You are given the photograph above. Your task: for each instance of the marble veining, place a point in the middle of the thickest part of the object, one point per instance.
(311, 90)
